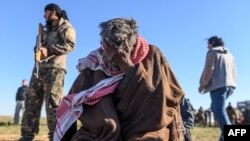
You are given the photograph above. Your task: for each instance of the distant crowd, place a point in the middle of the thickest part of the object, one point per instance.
(205, 117)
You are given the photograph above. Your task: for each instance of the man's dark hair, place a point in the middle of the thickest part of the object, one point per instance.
(54, 7)
(215, 41)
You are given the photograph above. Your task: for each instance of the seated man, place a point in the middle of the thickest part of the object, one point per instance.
(125, 91)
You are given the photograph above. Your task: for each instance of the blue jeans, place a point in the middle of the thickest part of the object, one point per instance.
(218, 101)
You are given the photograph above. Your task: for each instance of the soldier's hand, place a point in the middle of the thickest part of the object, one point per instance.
(44, 52)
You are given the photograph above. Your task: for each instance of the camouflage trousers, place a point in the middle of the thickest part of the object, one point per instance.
(49, 88)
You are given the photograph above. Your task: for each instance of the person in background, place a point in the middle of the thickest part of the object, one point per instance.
(126, 90)
(218, 78)
(47, 85)
(20, 99)
(200, 117)
(187, 118)
(231, 114)
(190, 104)
(209, 116)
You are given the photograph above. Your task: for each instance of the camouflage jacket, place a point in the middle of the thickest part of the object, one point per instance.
(59, 41)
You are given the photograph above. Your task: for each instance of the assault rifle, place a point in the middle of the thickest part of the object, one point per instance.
(39, 57)
(38, 53)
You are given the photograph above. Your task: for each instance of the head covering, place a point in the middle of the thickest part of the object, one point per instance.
(59, 11)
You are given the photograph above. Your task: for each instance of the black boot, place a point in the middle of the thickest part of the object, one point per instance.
(25, 139)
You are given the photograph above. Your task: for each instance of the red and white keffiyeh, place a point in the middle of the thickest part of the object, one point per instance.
(70, 109)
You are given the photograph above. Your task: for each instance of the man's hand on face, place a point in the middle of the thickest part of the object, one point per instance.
(118, 55)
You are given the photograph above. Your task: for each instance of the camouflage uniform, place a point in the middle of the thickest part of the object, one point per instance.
(59, 41)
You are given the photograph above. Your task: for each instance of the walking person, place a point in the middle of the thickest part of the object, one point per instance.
(20, 98)
(47, 85)
(218, 78)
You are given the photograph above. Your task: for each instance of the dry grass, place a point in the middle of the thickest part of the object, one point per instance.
(205, 133)
(12, 132)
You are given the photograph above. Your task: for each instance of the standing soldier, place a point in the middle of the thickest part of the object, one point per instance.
(47, 79)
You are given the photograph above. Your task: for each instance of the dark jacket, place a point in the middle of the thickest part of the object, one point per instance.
(21, 92)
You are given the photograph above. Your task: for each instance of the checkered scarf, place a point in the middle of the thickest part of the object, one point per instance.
(70, 109)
